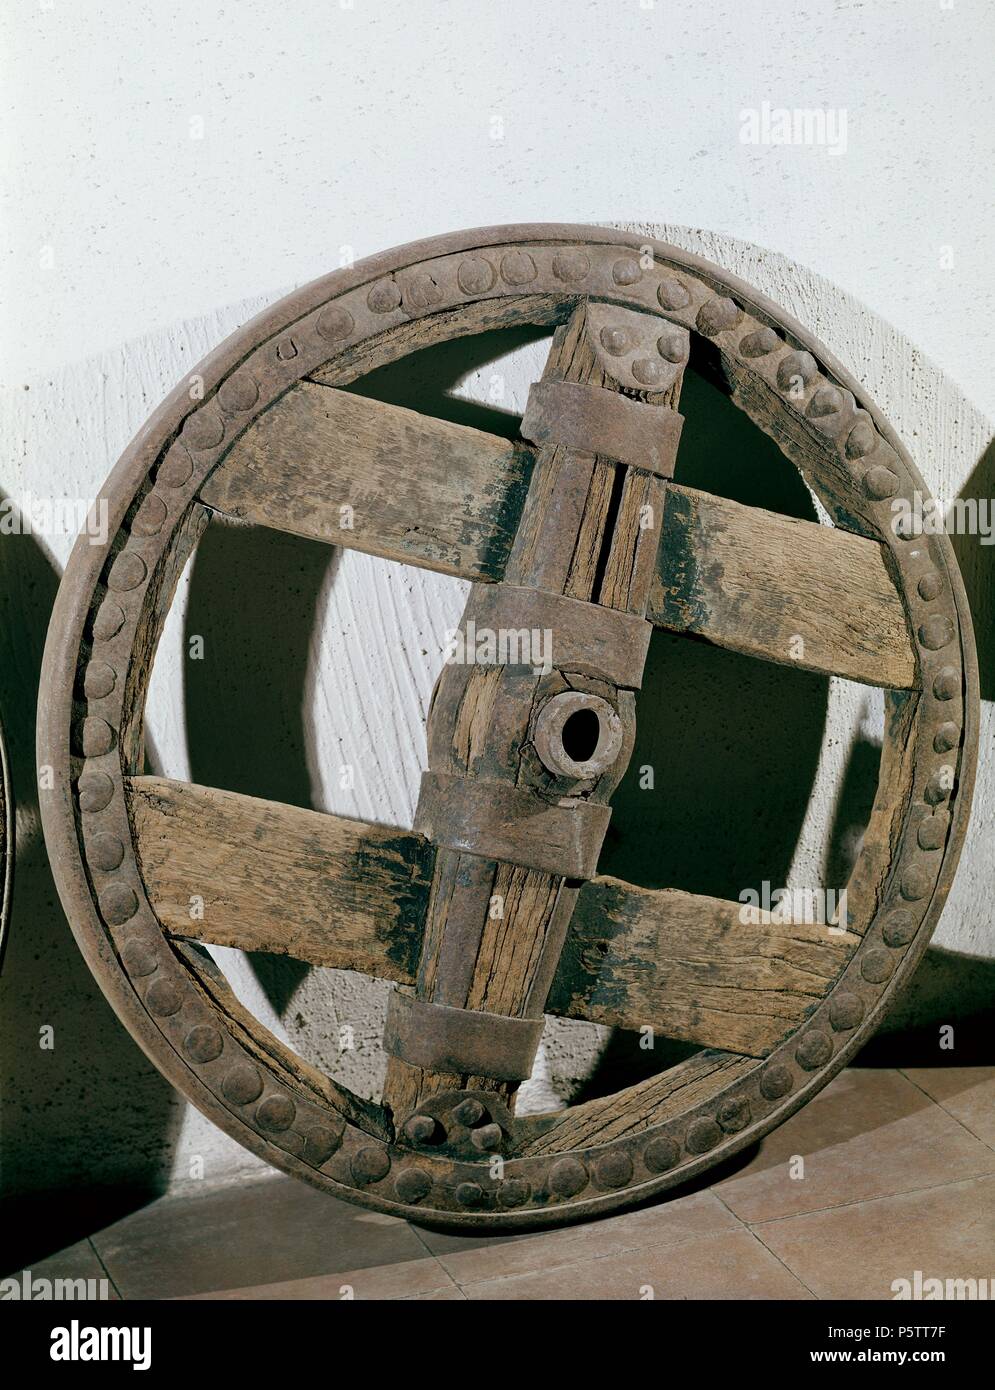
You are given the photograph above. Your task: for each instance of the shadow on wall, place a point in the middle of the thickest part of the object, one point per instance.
(89, 1116)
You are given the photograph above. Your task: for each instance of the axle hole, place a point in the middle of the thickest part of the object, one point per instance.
(581, 732)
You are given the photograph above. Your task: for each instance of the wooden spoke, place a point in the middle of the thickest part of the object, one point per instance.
(375, 477)
(449, 498)
(690, 968)
(788, 591)
(648, 1104)
(323, 889)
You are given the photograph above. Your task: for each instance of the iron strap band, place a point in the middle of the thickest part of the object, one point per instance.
(465, 1041)
(584, 637)
(596, 421)
(495, 820)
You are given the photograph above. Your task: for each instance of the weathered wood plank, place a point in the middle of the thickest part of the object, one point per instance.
(787, 591)
(449, 498)
(337, 467)
(688, 967)
(637, 1108)
(268, 877)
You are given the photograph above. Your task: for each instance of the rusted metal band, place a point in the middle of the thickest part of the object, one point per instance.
(494, 820)
(465, 1041)
(597, 421)
(582, 637)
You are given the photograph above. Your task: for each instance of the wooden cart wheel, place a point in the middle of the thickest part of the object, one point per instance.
(491, 911)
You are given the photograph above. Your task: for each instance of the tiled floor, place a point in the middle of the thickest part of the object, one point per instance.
(884, 1173)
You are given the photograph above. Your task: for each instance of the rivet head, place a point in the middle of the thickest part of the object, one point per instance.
(936, 632)
(571, 265)
(468, 1112)
(567, 1177)
(915, 883)
(759, 343)
(98, 680)
(412, 1185)
(518, 268)
(321, 1141)
(98, 737)
(814, 1050)
(238, 393)
(876, 965)
(861, 440)
(947, 683)
(420, 1128)
(150, 516)
(286, 349)
(672, 294)
(204, 429)
(613, 1169)
(469, 1194)
(734, 1115)
(795, 370)
(109, 620)
(626, 271)
(930, 586)
(104, 852)
(513, 1192)
(899, 928)
(717, 316)
(672, 346)
(826, 401)
(938, 787)
(118, 904)
(139, 959)
(845, 1012)
(421, 292)
(175, 468)
(335, 323)
(384, 297)
(947, 736)
(703, 1134)
(475, 276)
(203, 1043)
(95, 791)
(776, 1082)
(370, 1164)
(163, 999)
(127, 572)
(276, 1113)
(487, 1138)
(880, 483)
(648, 371)
(661, 1154)
(242, 1084)
(615, 341)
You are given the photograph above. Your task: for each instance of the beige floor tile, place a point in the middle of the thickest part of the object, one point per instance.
(414, 1279)
(968, 1093)
(727, 1265)
(262, 1232)
(858, 1251)
(667, 1223)
(870, 1134)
